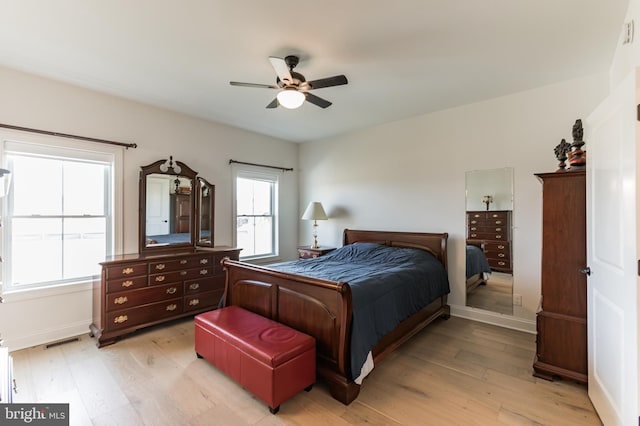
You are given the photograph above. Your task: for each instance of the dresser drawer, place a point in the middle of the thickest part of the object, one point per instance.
(488, 236)
(495, 246)
(143, 314)
(206, 300)
(129, 299)
(125, 284)
(204, 284)
(499, 264)
(126, 270)
(178, 276)
(179, 264)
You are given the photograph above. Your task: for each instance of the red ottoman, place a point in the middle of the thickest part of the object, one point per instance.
(271, 360)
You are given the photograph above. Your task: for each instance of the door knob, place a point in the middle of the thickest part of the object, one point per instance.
(586, 271)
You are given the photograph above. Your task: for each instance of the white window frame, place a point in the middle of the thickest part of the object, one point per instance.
(248, 172)
(65, 147)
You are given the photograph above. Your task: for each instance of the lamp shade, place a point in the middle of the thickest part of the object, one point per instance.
(290, 98)
(314, 211)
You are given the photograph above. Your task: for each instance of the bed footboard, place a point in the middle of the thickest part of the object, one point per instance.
(320, 308)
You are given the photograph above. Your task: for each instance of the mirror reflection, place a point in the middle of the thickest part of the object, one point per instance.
(168, 210)
(489, 212)
(205, 209)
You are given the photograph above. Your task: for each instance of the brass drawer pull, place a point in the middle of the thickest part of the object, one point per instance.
(500, 246)
(120, 300)
(120, 319)
(194, 302)
(476, 215)
(501, 263)
(498, 237)
(160, 278)
(127, 283)
(204, 271)
(474, 229)
(160, 266)
(204, 261)
(473, 222)
(183, 273)
(498, 222)
(127, 271)
(183, 261)
(194, 286)
(171, 290)
(474, 235)
(500, 254)
(172, 307)
(498, 229)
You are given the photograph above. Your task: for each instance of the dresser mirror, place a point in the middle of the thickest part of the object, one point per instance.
(206, 196)
(489, 242)
(176, 207)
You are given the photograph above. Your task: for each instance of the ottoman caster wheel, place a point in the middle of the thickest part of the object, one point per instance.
(274, 410)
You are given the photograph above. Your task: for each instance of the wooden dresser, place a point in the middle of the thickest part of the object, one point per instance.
(491, 231)
(137, 291)
(562, 319)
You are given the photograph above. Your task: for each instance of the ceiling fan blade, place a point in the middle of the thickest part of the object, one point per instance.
(259, 86)
(281, 68)
(337, 80)
(316, 100)
(274, 103)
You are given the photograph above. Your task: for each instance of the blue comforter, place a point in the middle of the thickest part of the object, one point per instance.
(388, 284)
(477, 262)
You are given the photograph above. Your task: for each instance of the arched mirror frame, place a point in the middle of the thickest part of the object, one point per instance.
(195, 200)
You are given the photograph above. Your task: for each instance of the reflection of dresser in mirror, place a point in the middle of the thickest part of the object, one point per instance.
(491, 231)
(180, 213)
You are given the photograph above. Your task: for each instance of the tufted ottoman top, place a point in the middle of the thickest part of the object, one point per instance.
(266, 340)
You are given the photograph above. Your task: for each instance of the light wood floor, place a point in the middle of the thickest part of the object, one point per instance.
(454, 372)
(496, 295)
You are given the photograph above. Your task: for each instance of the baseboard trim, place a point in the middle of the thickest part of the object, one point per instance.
(507, 321)
(47, 336)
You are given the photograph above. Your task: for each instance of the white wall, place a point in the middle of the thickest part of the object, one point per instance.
(409, 175)
(29, 101)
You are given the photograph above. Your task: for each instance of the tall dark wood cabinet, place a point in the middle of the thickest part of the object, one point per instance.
(562, 319)
(180, 213)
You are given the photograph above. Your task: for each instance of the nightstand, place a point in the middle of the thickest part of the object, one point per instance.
(306, 252)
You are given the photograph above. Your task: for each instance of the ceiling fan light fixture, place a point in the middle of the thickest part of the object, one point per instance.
(290, 98)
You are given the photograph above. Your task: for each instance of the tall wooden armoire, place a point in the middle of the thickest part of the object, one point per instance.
(562, 317)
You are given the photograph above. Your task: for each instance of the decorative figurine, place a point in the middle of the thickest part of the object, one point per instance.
(561, 151)
(577, 157)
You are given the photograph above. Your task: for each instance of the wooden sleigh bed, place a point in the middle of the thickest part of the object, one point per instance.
(323, 308)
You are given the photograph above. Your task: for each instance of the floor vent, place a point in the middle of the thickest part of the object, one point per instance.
(60, 342)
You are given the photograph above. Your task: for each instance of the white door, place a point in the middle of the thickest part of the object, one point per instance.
(157, 206)
(612, 239)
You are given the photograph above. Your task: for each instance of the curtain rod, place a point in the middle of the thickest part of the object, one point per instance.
(65, 135)
(284, 169)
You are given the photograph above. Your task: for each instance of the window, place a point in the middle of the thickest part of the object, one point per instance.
(256, 220)
(59, 221)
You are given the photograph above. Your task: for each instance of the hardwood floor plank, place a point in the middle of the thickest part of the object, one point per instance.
(454, 372)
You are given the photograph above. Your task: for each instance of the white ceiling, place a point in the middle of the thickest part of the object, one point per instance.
(402, 57)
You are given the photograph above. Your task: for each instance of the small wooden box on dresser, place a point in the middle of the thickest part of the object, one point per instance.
(138, 291)
(491, 231)
(562, 319)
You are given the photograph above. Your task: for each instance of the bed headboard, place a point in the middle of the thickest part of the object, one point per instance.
(436, 243)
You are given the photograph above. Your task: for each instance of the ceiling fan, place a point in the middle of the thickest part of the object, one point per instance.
(294, 89)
